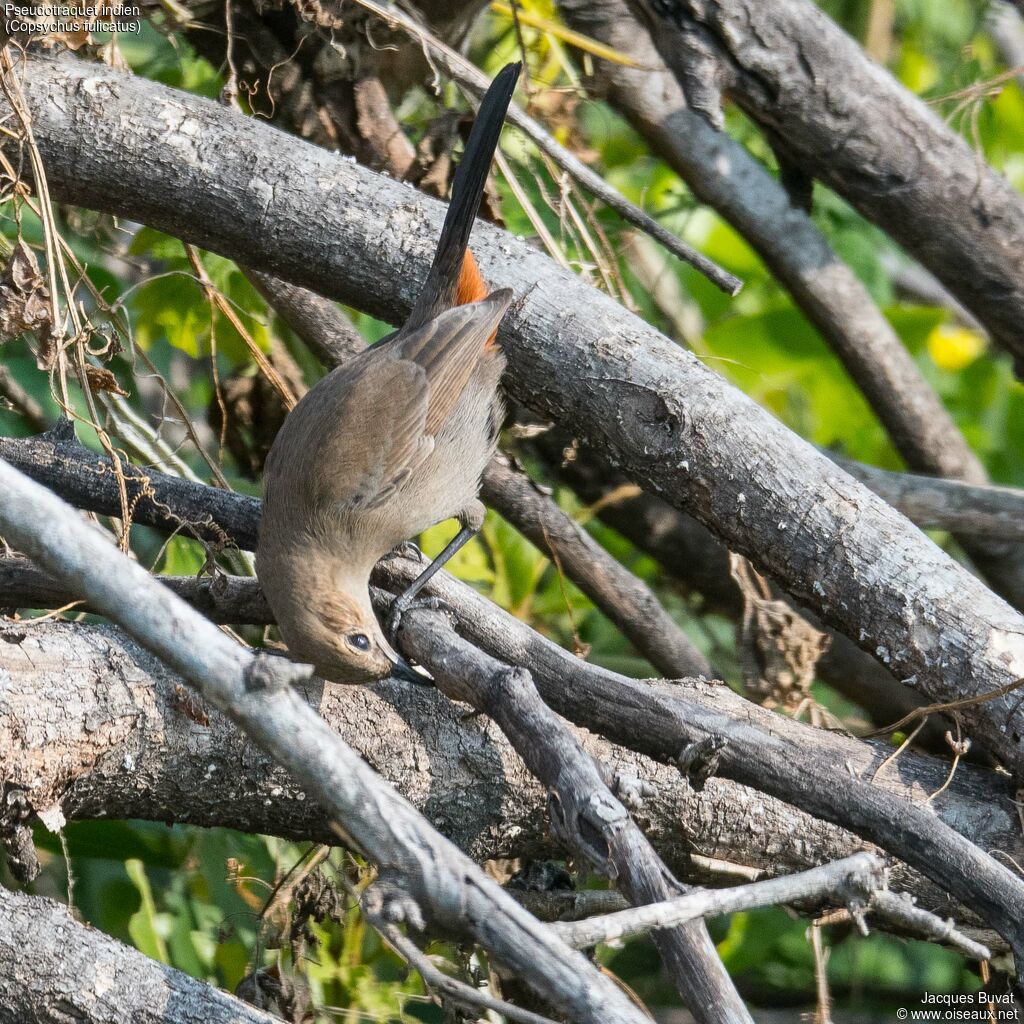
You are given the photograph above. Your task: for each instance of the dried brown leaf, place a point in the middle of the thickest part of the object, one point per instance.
(103, 380)
(24, 297)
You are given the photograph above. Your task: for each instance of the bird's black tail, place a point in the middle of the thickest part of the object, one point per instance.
(442, 287)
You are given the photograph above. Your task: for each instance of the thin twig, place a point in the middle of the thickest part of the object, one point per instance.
(213, 294)
(899, 750)
(470, 77)
(951, 705)
(858, 876)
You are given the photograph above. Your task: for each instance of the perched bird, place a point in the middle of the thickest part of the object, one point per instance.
(387, 445)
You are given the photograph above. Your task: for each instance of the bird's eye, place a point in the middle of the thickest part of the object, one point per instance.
(360, 641)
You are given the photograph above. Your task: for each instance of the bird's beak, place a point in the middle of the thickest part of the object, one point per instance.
(404, 671)
(400, 668)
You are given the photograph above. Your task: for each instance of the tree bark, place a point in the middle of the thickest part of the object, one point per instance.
(574, 355)
(847, 122)
(56, 969)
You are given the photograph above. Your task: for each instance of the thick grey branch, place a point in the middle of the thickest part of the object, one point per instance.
(847, 122)
(724, 174)
(585, 814)
(56, 969)
(256, 693)
(93, 726)
(236, 186)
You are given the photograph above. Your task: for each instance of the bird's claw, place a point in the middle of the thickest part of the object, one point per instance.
(400, 606)
(407, 549)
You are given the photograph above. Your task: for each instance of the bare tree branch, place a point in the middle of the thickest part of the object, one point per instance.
(57, 969)
(724, 174)
(61, 462)
(932, 503)
(90, 713)
(1006, 26)
(846, 121)
(440, 883)
(896, 908)
(855, 878)
(318, 321)
(221, 598)
(584, 812)
(602, 913)
(574, 355)
(624, 598)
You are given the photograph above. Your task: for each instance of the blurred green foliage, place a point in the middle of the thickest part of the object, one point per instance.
(168, 891)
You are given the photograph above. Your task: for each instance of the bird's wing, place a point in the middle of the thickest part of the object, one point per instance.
(366, 426)
(448, 347)
(355, 437)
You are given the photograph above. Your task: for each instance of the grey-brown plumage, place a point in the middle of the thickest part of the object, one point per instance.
(387, 445)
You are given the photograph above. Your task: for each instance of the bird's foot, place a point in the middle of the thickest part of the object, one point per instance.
(407, 549)
(402, 604)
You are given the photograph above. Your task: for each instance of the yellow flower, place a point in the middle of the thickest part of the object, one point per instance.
(953, 347)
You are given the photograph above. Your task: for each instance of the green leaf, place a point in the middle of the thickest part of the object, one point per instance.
(146, 927)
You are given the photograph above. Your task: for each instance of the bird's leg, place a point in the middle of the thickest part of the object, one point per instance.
(471, 519)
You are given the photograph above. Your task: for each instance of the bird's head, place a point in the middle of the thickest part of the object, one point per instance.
(326, 619)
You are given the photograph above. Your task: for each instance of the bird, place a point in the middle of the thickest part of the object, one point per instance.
(387, 445)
